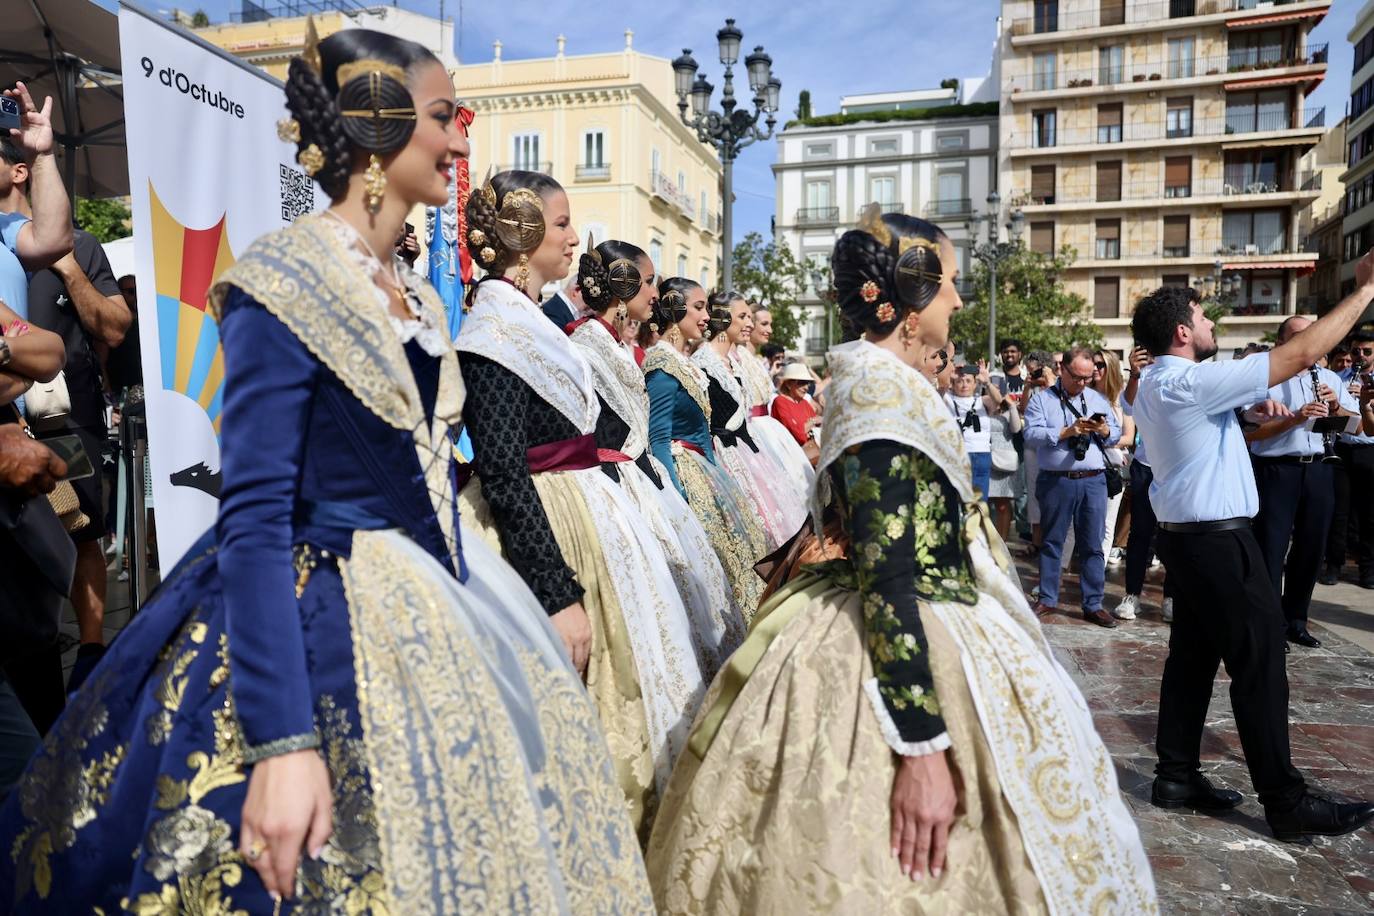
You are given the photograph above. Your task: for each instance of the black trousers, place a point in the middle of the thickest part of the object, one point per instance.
(1226, 610)
(1296, 503)
(1354, 514)
(1140, 541)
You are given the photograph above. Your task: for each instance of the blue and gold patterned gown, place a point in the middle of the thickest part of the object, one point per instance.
(331, 607)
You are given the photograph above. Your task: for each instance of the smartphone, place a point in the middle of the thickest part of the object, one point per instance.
(1098, 417)
(9, 114)
(409, 230)
(70, 450)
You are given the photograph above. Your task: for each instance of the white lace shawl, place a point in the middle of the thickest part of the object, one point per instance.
(711, 363)
(619, 380)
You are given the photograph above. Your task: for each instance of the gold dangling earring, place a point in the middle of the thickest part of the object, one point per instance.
(375, 181)
(907, 334)
(522, 274)
(621, 313)
(674, 336)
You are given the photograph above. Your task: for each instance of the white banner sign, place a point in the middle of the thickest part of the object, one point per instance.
(207, 175)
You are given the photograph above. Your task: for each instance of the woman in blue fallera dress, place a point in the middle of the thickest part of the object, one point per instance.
(336, 701)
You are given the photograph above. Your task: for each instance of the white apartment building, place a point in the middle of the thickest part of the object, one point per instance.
(938, 168)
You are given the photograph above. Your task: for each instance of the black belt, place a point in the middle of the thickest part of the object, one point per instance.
(1287, 459)
(1225, 524)
(1076, 475)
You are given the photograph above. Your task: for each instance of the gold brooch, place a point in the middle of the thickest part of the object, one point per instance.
(311, 159)
(869, 291)
(886, 312)
(477, 237)
(487, 255)
(289, 130)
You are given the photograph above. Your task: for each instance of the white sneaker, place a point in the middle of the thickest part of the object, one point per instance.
(1127, 608)
(1155, 563)
(1114, 559)
(1168, 610)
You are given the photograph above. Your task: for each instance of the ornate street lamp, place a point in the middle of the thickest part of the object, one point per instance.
(730, 129)
(993, 252)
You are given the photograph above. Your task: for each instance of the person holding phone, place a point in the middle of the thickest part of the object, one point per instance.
(974, 416)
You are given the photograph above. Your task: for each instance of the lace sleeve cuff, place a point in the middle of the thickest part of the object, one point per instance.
(892, 736)
(253, 754)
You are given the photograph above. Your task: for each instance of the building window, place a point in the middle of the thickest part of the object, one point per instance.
(1181, 58)
(1112, 12)
(1253, 231)
(682, 183)
(1252, 172)
(1176, 236)
(1106, 297)
(1263, 294)
(656, 255)
(525, 152)
(949, 190)
(682, 265)
(882, 189)
(1109, 65)
(1042, 184)
(1046, 15)
(1254, 49)
(1250, 112)
(1109, 123)
(817, 194)
(820, 150)
(1174, 281)
(1044, 71)
(1042, 237)
(1109, 180)
(594, 149)
(704, 212)
(656, 162)
(1178, 118)
(1042, 127)
(884, 146)
(1179, 9)
(705, 279)
(952, 141)
(1108, 239)
(1178, 176)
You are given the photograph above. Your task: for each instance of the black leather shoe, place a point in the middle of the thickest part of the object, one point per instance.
(1304, 638)
(1197, 793)
(1319, 815)
(1330, 576)
(1367, 580)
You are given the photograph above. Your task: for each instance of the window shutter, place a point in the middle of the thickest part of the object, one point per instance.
(1109, 180)
(1106, 297)
(1109, 115)
(1042, 237)
(1175, 232)
(1109, 229)
(1042, 182)
(1178, 172)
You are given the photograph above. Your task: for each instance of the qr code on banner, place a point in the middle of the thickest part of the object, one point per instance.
(297, 194)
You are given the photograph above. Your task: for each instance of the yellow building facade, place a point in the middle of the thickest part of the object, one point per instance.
(606, 126)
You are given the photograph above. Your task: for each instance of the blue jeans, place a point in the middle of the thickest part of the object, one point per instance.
(982, 471)
(1083, 504)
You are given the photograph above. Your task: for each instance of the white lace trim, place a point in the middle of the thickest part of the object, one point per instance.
(432, 340)
(889, 728)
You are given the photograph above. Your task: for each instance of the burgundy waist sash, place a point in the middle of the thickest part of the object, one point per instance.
(758, 410)
(577, 454)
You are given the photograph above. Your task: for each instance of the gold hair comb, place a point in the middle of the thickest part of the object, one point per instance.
(356, 68)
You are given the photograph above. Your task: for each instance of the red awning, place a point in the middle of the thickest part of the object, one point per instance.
(1303, 268)
(1274, 81)
(1318, 13)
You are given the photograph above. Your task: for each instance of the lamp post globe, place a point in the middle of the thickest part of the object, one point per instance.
(729, 39)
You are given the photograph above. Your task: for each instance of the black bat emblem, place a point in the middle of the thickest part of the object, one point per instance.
(200, 477)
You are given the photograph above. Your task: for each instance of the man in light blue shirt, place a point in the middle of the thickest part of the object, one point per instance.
(1354, 480)
(29, 245)
(1070, 426)
(1226, 609)
(1297, 488)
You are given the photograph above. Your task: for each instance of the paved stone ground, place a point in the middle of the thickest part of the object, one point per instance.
(1233, 865)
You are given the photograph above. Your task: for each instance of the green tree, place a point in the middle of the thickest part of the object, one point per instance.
(950, 83)
(1032, 305)
(107, 220)
(199, 19)
(771, 275)
(804, 105)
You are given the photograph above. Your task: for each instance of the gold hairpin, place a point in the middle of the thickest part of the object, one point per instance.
(356, 68)
(311, 52)
(871, 221)
(906, 244)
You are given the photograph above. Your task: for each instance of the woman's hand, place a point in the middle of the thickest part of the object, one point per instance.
(576, 630)
(923, 802)
(289, 808)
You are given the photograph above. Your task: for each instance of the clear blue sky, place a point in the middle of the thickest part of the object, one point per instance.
(888, 47)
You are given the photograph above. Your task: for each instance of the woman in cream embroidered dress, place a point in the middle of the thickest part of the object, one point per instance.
(540, 496)
(680, 438)
(868, 683)
(770, 435)
(391, 725)
(784, 508)
(608, 272)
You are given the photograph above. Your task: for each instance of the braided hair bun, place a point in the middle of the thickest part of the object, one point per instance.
(718, 306)
(609, 273)
(884, 270)
(314, 99)
(595, 282)
(485, 229)
(671, 306)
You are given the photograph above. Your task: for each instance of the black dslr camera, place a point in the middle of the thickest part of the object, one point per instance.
(1081, 444)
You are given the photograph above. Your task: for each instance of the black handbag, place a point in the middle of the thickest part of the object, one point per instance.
(1115, 482)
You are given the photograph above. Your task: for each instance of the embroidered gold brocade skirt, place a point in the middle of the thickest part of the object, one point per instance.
(736, 533)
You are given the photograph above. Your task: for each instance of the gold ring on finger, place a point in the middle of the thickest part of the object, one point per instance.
(255, 850)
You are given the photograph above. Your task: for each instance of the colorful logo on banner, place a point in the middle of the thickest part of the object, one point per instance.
(185, 262)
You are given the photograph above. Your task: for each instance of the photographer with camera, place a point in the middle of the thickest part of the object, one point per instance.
(1070, 426)
(974, 416)
(1354, 500)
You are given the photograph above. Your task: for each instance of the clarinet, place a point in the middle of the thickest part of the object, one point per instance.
(1328, 439)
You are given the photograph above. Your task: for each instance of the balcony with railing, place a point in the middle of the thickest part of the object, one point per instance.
(954, 206)
(891, 206)
(1139, 75)
(1235, 123)
(664, 188)
(1048, 19)
(1230, 248)
(524, 166)
(818, 216)
(600, 171)
(1156, 189)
